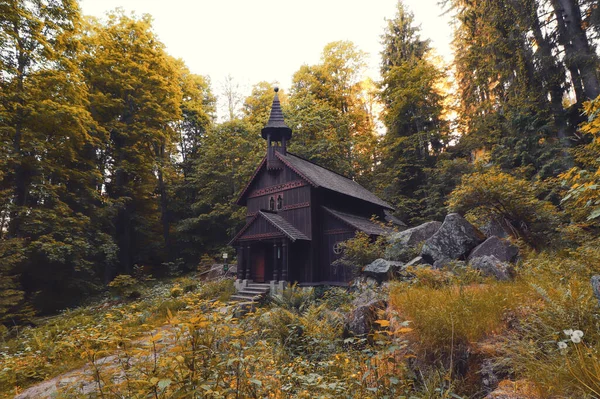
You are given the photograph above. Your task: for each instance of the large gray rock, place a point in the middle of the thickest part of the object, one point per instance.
(360, 321)
(402, 242)
(596, 286)
(494, 246)
(454, 240)
(416, 261)
(382, 269)
(493, 227)
(490, 266)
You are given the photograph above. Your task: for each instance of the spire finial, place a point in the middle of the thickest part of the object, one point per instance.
(276, 127)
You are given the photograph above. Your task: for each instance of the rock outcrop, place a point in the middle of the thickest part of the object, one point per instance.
(360, 321)
(490, 266)
(401, 243)
(503, 250)
(596, 286)
(454, 240)
(382, 269)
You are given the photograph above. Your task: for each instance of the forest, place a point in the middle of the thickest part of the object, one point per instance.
(112, 161)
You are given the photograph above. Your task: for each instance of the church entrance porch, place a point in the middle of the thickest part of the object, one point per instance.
(263, 261)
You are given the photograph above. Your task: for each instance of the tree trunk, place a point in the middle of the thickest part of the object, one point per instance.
(164, 202)
(579, 55)
(552, 76)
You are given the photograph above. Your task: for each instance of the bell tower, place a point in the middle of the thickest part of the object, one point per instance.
(277, 134)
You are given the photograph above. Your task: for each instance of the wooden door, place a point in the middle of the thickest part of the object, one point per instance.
(258, 262)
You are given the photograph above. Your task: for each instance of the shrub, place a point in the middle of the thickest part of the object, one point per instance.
(451, 315)
(583, 197)
(561, 299)
(188, 284)
(495, 195)
(361, 250)
(176, 291)
(294, 298)
(220, 289)
(125, 286)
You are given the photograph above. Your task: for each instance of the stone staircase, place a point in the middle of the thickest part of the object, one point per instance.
(251, 293)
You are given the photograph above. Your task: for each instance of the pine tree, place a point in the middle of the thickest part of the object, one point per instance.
(413, 108)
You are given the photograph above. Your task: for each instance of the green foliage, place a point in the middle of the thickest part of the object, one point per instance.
(561, 299)
(495, 195)
(125, 286)
(294, 298)
(361, 250)
(413, 115)
(330, 112)
(220, 289)
(583, 198)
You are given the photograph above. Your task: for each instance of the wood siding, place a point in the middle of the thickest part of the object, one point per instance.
(259, 230)
(333, 231)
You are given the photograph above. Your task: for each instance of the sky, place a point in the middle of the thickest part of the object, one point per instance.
(269, 40)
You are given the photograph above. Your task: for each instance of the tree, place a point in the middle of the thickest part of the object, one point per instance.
(232, 150)
(51, 243)
(413, 116)
(135, 99)
(329, 114)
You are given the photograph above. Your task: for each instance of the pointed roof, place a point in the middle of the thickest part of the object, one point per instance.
(282, 226)
(276, 127)
(318, 176)
(360, 223)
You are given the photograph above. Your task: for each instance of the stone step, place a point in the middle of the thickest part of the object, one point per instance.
(243, 298)
(259, 285)
(256, 291)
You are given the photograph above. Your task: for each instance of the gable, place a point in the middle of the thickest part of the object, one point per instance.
(301, 172)
(264, 183)
(266, 225)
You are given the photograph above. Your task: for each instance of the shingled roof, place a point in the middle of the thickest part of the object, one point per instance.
(284, 226)
(360, 223)
(319, 176)
(276, 221)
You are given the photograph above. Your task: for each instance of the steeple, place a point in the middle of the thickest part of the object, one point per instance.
(277, 134)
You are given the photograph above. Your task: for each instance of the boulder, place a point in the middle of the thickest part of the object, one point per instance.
(402, 242)
(492, 266)
(454, 240)
(382, 269)
(596, 286)
(416, 261)
(360, 321)
(494, 246)
(493, 227)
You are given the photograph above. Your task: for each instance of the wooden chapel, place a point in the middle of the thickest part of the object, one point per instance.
(298, 213)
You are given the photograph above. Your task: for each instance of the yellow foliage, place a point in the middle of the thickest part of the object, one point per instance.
(495, 195)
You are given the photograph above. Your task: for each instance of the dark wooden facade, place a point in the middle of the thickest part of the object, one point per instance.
(297, 214)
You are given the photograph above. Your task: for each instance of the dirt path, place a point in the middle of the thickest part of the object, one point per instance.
(81, 381)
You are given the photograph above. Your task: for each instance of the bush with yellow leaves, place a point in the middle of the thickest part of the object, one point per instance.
(491, 194)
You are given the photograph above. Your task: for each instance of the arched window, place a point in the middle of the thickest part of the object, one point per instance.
(271, 204)
(279, 201)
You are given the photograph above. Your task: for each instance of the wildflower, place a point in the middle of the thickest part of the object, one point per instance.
(562, 345)
(568, 333)
(577, 333)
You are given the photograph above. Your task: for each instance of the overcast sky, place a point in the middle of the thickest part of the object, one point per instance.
(256, 40)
